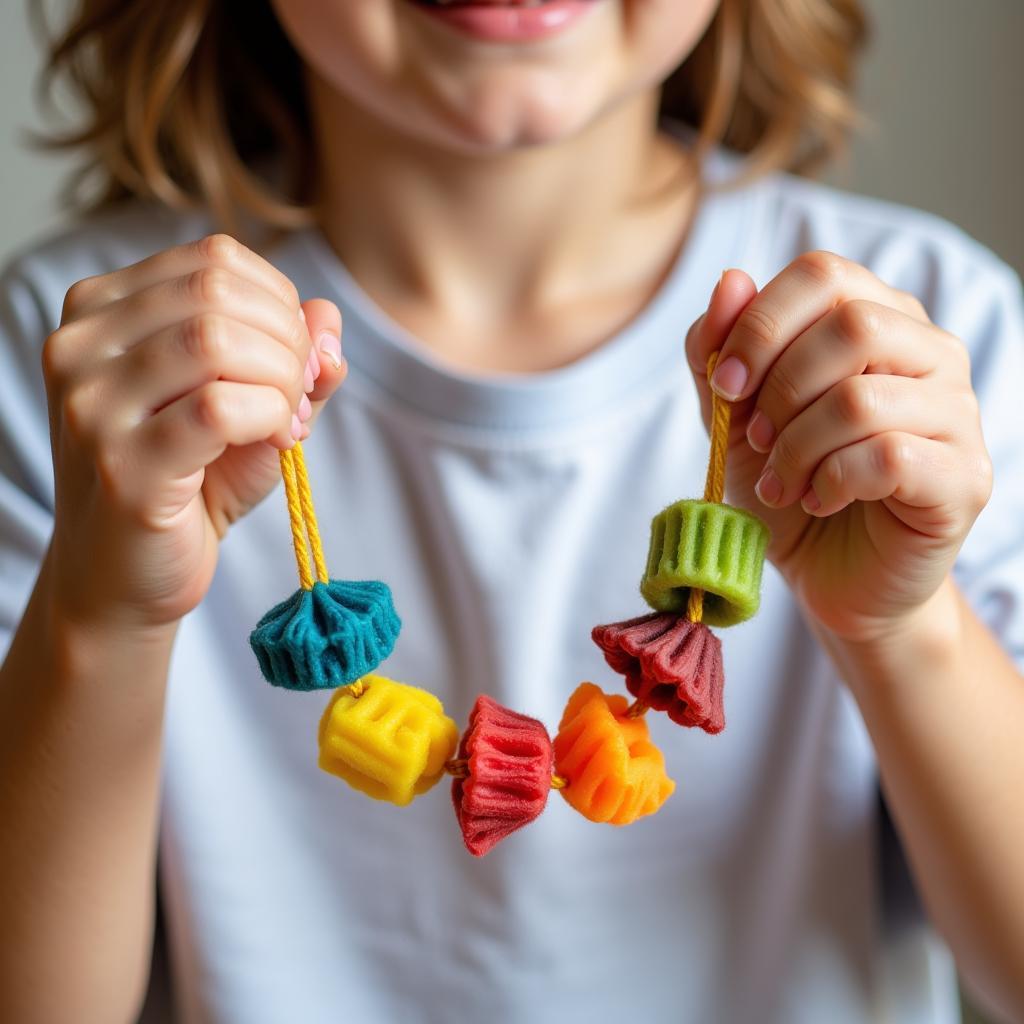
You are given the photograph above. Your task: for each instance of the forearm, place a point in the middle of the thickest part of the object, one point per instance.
(945, 709)
(81, 709)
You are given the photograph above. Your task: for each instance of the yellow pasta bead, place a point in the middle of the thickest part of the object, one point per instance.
(390, 743)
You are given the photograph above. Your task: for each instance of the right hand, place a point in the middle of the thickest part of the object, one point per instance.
(172, 385)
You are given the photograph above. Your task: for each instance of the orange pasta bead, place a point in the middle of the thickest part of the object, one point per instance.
(614, 772)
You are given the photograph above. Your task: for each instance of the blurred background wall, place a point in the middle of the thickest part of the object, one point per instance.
(943, 86)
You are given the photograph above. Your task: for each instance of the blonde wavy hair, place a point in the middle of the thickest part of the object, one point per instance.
(184, 100)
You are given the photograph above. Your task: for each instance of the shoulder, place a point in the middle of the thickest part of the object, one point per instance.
(39, 274)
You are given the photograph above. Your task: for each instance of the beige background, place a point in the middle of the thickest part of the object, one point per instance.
(943, 85)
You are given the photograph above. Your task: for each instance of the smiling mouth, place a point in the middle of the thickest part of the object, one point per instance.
(484, 3)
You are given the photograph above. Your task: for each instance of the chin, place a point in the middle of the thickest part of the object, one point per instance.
(510, 114)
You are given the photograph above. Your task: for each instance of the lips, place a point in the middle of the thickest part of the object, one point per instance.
(507, 21)
(484, 3)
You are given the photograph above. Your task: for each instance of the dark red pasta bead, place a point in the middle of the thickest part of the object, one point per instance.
(671, 664)
(509, 760)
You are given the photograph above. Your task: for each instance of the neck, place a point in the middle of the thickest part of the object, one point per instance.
(485, 241)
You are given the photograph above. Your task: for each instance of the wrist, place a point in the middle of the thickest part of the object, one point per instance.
(87, 640)
(927, 640)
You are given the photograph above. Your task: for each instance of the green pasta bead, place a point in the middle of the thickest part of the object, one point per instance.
(716, 547)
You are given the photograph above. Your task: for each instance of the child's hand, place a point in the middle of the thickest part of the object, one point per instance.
(172, 384)
(875, 467)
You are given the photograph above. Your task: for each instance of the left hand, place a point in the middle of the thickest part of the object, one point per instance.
(865, 454)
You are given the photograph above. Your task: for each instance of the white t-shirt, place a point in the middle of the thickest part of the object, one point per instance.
(510, 514)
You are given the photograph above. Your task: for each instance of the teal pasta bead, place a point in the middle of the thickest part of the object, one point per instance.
(326, 637)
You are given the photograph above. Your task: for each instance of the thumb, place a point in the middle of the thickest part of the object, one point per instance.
(731, 296)
(323, 321)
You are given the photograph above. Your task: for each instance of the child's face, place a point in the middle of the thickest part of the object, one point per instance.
(464, 89)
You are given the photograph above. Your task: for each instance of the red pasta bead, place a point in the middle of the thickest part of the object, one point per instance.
(671, 664)
(509, 760)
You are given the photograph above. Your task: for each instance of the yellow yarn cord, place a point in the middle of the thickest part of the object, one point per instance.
(291, 493)
(714, 485)
(305, 533)
(309, 513)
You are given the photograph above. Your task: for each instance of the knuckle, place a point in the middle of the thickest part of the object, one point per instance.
(856, 400)
(289, 293)
(211, 286)
(212, 408)
(783, 390)
(857, 321)
(824, 268)
(205, 338)
(959, 353)
(78, 294)
(892, 455)
(219, 249)
(76, 412)
(831, 477)
(786, 457)
(758, 326)
(54, 357)
(912, 304)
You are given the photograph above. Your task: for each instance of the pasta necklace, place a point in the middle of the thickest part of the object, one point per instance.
(394, 742)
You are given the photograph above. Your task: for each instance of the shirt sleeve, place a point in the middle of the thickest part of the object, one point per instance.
(987, 312)
(26, 468)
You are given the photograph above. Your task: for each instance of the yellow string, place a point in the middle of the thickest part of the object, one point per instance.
(309, 513)
(291, 493)
(714, 485)
(305, 533)
(636, 709)
(356, 689)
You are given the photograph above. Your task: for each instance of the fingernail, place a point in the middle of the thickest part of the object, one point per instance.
(305, 409)
(760, 432)
(296, 427)
(314, 362)
(729, 378)
(769, 487)
(330, 345)
(810, 501)
(307, 374)
(302, 314)
(714, 292)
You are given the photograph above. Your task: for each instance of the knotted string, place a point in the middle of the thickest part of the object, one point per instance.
(302, 515)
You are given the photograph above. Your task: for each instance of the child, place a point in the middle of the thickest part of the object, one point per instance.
(518, 243)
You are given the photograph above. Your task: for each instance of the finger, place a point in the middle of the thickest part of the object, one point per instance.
(214, 251)
(164, 368)
(850, 411)
(911, 469)
(195, 430)
(707, 334)
(786, 307)
(323, 322)
(117, 327)
(856, 337)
